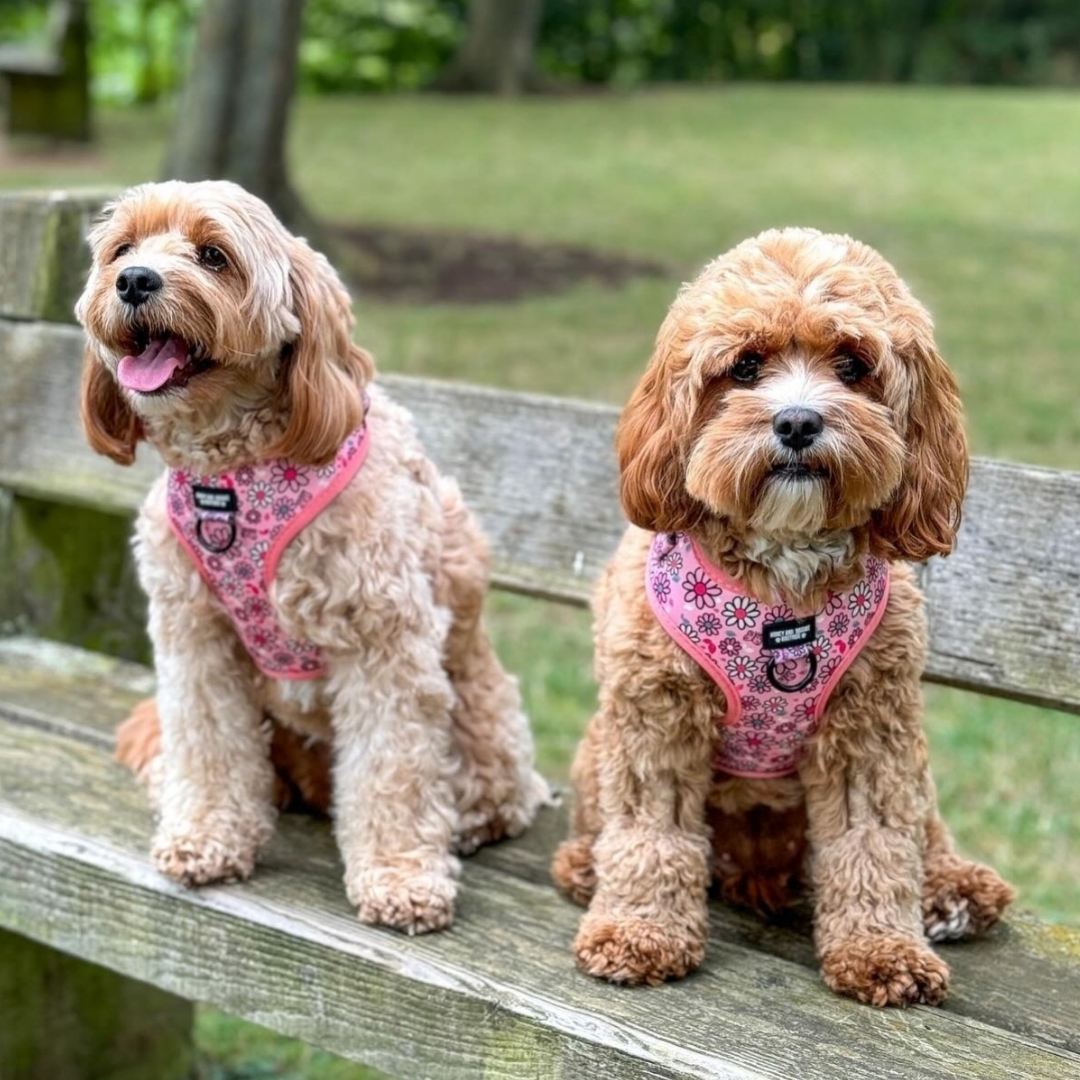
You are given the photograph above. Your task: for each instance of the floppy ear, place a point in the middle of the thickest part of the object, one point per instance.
(110, 425)
(651, 466)
(326, 372)
(924, 514)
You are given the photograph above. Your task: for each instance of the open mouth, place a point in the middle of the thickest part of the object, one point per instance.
(161, 362)
(798, 471)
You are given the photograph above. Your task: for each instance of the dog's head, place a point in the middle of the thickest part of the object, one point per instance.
(200, 300)
(796, 388)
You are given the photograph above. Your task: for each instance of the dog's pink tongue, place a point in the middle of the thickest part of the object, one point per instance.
(153, 367)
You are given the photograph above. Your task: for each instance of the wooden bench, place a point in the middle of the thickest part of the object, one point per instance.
(83, 915)
(48, 91)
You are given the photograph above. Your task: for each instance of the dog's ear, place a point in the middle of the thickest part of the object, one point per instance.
(649, 448)
(924, 515)
(326, 373)
(110, 425)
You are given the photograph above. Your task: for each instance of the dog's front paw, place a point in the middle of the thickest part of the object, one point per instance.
(632, 950)
(405, 898)
(199, 857)
(883, 970)
(961, 899)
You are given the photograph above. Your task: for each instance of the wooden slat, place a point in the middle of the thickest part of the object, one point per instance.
(43, 256)
(1025, 978)
(541, 475)
(496, 996)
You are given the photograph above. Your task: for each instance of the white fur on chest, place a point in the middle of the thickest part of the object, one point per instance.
(796, 563)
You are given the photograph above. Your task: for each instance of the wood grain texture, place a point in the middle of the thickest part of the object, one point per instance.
(66, 573)
(64, 1019)
(757, 993)
(43, 254)
(494, 997)
(541, 475)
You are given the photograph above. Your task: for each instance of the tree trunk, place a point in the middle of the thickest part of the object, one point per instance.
(498, 55)
(234, 110)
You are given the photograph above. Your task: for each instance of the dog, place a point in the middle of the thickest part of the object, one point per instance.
(302, 558)
(795, 441)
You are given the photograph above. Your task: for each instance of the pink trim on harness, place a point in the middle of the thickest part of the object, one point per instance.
(236, 525)
(776, 669)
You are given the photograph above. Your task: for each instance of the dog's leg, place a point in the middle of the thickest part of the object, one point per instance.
(301, 771)
(498, 791)
(960, 898)
(867, 796)
(573, 866)
(216, 788)
(647, 920)
(394, 807)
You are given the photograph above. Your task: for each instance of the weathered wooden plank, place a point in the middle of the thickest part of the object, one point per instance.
(43, 254)
(66, 573)
(1025, 978)
(524, 462)
(65, 1019)
(69, 691)
(495, 996)
(541, 475)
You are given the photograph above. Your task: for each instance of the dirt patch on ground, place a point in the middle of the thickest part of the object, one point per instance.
(420, 267)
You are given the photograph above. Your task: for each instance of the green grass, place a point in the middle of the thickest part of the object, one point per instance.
(971, 194)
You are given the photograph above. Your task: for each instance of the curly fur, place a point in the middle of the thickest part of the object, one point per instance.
(420, 727)
(652, 825)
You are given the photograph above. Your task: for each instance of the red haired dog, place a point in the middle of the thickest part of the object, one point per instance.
(760, 638)
(302, 558)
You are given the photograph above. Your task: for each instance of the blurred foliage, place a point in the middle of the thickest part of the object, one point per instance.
(140, 46)
(937, 41)
(377, 44)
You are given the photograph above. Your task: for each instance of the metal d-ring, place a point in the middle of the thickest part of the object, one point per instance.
(770, 672)
(216, 549)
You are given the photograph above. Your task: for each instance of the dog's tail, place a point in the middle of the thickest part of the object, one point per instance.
(138, 739)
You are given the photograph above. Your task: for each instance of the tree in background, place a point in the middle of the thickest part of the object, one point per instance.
(498, 53)
(234, 110)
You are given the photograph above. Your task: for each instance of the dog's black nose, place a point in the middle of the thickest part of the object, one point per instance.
(137, 284)
(797, 428)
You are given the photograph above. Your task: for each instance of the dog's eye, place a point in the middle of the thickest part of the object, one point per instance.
(747, 367)
(212, 258)
(121, 251)
(850, 368)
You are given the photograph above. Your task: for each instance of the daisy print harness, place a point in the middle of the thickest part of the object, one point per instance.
(776, 669)
(236, 525)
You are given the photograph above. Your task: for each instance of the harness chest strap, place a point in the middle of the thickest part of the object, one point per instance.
(236, 525)
(776, 670)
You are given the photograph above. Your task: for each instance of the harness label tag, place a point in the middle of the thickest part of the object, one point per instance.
(788, 634)
(219, 500)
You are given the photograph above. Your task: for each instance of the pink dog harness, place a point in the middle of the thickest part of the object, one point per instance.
(235, 525)
(776, 669)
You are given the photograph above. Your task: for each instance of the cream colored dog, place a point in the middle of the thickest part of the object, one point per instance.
(225, 342)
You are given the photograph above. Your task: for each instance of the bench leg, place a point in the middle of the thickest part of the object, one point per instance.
(65, 1019)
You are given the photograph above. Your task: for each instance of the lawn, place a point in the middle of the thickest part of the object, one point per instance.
(971, 194)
